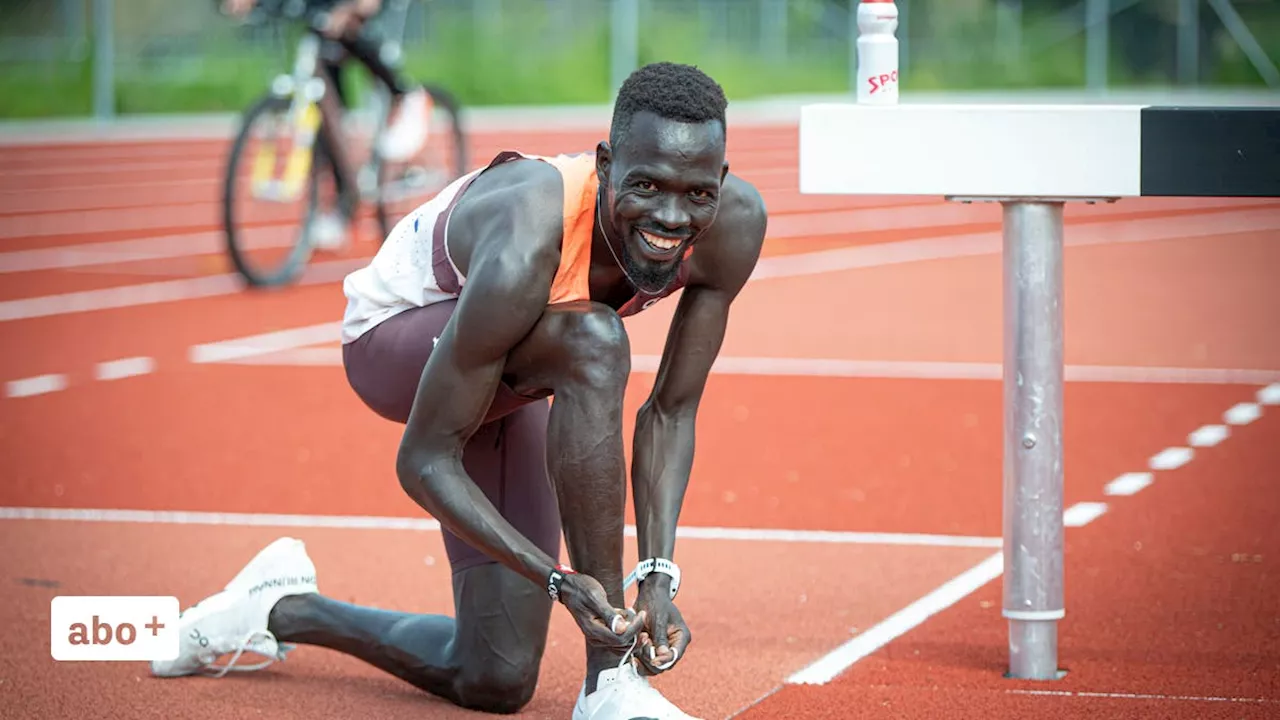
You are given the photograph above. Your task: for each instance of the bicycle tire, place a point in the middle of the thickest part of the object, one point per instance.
(443, 101)
(300, 252)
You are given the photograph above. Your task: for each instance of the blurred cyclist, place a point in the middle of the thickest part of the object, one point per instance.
(410, 103)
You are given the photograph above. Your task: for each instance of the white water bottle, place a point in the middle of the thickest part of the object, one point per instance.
(877, 52)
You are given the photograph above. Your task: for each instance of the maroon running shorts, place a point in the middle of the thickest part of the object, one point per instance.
(507, 455)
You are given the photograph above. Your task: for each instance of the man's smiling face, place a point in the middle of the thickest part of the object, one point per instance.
(662, 190)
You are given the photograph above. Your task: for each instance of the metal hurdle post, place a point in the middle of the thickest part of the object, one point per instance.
(1032, 374)
(1033, 453)
(1032, 475)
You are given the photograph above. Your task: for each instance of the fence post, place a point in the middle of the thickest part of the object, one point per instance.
(104, 76)
(773, 29)
(1188, 42)
(1097, 20)
(624, 44)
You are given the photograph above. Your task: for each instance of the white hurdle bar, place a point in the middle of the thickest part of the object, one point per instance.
(1033, 159)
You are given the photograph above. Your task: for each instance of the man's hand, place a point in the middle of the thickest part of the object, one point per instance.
(602, 625)
(237, 8)
(348, 16)
(665, 637)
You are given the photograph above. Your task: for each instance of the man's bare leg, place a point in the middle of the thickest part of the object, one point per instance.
(488, 657)
(581, 350)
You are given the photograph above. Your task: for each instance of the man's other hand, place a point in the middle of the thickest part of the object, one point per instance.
(665, 637)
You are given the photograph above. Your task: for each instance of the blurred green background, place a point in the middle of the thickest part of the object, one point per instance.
(173, 56)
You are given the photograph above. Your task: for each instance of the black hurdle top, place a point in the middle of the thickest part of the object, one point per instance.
(1211, 151)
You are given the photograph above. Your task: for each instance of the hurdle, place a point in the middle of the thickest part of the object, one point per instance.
(1033, 160)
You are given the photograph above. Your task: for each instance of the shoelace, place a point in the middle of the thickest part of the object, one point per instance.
(243, 646)
(627, 656)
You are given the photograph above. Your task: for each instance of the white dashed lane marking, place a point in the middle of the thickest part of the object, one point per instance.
(1128, 483)
(1083, 513)
(1243, 414)
(38, 385)
(1270, 395)
(1171, 458)
(54, 382)
(127, 367)
(1208, 436)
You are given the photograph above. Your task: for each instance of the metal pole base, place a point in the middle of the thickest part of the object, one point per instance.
(1033, 650)
(1033, 477)
(1033, 454)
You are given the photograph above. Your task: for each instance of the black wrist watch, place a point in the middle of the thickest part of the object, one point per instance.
(556, 578)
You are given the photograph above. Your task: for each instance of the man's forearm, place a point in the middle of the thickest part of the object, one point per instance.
(662, 460)
(443, 488)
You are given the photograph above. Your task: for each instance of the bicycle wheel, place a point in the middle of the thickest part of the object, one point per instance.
(443, 159)
(265, 242)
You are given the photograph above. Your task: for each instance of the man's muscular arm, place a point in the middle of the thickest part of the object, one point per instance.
(509, 268)
(664, 435)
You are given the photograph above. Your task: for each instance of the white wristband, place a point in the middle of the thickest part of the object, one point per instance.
(662, 565)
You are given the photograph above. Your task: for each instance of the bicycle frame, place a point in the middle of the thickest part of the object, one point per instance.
(305, 90)
(315, 111)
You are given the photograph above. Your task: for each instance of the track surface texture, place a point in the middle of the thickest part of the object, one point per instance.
(858, 394)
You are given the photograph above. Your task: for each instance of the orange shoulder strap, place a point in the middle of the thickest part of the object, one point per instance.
(580, 183)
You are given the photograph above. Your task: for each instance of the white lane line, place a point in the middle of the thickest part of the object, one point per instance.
(200, 166)
(1208, 436)
(124, 368)
(1128, 483)
(1270, 395)
(159, 215)
(118, 297)
(827, 261)
(1171, 375)
(944, 596)
(1171, 458)
(1243, 413)
(990, 243)
(295, 357)
(157, 292)
(87, 255)
(265, 343)
(1083, 513)
(300, 355)
(372, 522)
(838, 537)
(1137, 696)
(38, 385)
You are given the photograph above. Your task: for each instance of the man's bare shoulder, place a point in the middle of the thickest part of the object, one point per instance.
(728, 255)
(514, 211)
(743, 206)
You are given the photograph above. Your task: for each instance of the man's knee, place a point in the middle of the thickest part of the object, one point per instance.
(498, 687)
(598, 348)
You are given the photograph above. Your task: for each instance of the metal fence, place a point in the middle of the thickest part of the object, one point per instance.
(76, 57)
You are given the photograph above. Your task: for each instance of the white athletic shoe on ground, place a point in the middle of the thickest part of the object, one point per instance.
(235, 619)
(622, 693)
(329, 231)
(407, 133)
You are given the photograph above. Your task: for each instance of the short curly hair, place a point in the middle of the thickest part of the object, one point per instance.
(668, 90)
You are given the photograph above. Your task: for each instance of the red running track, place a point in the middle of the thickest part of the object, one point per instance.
(858, 392)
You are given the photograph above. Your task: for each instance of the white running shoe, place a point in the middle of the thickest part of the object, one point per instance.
(329, 231)
(406, 135)
(622, 693)
(235, 619)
